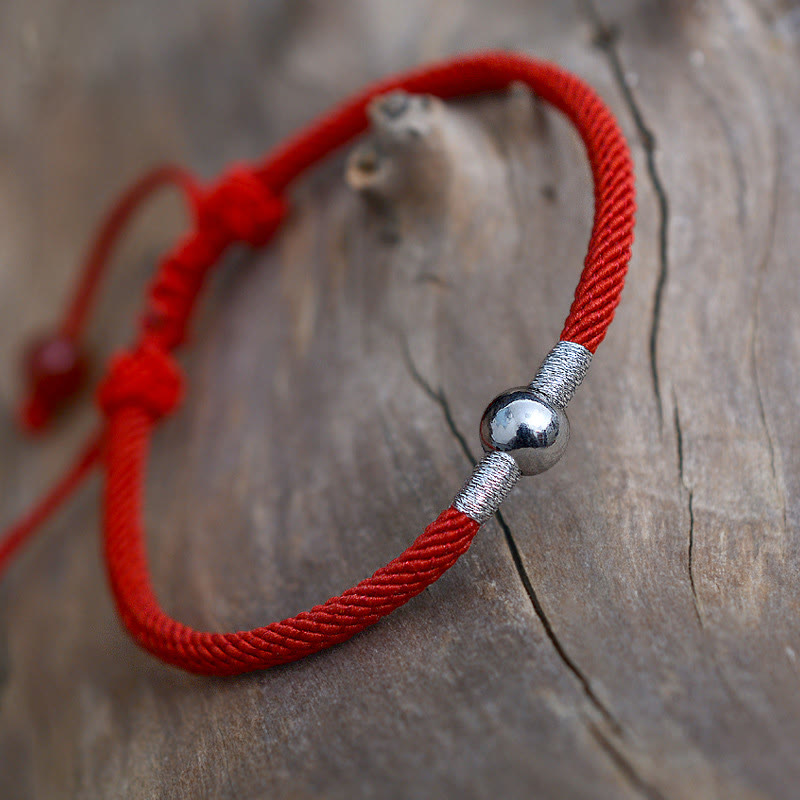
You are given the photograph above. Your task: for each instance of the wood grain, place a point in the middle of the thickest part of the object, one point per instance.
(629, 627)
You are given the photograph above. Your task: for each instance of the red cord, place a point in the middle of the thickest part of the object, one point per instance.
(145, 384)
(19, 533)
(55, 366)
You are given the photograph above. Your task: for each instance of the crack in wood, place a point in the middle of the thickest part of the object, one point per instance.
(614, 725)
(605, 38)
(623, 764)
(438, 398)
(516, 557)
(690, 504)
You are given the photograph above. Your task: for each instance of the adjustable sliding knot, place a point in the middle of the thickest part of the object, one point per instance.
(146, 378)
(172, 294)
(240, 207)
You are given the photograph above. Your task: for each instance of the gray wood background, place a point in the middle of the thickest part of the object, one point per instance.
(630, 628)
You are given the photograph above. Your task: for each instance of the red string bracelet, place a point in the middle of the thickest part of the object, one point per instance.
(524, 431)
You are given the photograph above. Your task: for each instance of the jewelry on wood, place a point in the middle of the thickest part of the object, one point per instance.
(524, 431)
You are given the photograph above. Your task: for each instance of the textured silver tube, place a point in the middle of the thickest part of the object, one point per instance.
(491, 481)
(562, 371)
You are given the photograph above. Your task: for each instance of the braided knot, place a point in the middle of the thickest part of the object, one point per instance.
(147, 378)
(241, 207)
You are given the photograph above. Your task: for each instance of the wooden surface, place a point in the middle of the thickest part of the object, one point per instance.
(631, 627)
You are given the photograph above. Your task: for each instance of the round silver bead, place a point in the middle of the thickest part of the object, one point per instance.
(531, 429)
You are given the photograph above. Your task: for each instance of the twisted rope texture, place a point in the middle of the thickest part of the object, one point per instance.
(434, 552)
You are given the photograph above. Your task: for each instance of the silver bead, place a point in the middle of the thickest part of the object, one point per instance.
(531, 429)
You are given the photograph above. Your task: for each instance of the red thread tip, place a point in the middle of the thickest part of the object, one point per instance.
(55, 371)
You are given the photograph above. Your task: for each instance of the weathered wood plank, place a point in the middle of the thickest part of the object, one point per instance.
(630, 627)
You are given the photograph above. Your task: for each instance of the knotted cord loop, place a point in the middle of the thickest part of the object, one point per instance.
(240, 207)
(56, 365)
(146, 378)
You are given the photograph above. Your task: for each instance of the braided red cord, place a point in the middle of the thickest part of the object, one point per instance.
(435, 551)
(144, 384)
